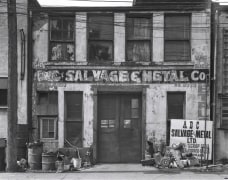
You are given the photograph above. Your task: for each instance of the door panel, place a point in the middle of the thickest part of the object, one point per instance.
(119, 126)
(108, 129)
(130, 129)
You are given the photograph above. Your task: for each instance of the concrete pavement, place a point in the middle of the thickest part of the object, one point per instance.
(117, 172)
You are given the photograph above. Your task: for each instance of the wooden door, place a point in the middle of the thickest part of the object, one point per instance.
(119, 128)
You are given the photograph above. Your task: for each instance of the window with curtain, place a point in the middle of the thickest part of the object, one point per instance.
(100, 37)
(61, 39)
(177, 37)
(138, 38)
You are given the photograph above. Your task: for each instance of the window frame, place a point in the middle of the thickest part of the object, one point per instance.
(41, 119)
(91, 61)
(135, 15)
(178, 40)
(4, 105)
(168, 121)
(81, 122)
(50, 41)
(222, 125)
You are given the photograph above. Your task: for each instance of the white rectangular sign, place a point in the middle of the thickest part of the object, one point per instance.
(193, 134)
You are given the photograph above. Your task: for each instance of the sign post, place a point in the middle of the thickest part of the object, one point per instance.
(194, 136)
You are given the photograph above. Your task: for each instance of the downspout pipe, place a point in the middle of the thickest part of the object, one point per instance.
(214, 39)
(30, 73)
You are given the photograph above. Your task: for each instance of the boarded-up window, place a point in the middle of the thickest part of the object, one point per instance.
(48, 128)
(100, 30)
(47, 103)
(138, 38)
(177, 37)
(3, 91)
(175, 109)
(62, 39)
(73, 119)
(224, 109)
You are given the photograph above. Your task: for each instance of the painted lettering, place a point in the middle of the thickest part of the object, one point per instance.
(135, 76)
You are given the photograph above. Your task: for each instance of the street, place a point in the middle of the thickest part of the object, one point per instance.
(113, 175)
(119, 172)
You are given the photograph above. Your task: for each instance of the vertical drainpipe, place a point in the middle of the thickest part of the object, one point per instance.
(30, 74)
(214, 21)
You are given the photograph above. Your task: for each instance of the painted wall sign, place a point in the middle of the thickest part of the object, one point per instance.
(123, 76)
(193, 134)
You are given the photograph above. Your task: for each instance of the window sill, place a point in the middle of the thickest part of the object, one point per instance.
(49, 140)
(175, 63)
(3, 107)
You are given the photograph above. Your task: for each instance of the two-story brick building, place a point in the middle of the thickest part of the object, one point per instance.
(113, 77)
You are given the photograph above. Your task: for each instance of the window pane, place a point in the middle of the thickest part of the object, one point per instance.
(74, 133)
(175, 103)
(177, 50)
(100, 51)
(138, 28)
(68, 29)
(177, 27)
(3, 97)
(56, 28)
(73, 106)
(101, 27)
(62, 51)
(45, 128)
(53, 98)
(138, 51)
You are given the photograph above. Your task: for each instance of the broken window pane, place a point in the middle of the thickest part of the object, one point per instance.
(127, 123)
(100, 51)
(62, 39)
(62, 51)
(101, 32)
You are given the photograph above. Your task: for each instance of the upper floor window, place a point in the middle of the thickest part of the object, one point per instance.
(138, 38)
(100, 33)
(3, 92)
(177, 37)
(61, 39)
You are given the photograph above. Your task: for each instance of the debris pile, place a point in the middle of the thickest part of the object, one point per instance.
(169, 157)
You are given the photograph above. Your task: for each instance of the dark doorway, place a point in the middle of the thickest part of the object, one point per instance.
(175, 109)
(119, 126)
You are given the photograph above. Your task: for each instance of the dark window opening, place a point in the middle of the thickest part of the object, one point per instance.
(47, 103)
(3, 97)
(177, 37)
(73, 119)
(175, 109)
(100, 34)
